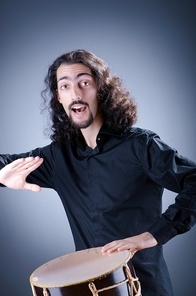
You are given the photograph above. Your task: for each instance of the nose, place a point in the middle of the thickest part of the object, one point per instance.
(76, 98)
(75, 94)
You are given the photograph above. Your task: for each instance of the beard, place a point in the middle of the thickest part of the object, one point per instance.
(84, 124)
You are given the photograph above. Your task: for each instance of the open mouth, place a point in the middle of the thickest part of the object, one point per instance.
(78, 109)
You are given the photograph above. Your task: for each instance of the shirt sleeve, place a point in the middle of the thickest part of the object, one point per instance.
(176, 173)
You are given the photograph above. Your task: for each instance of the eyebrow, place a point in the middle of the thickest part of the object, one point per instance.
(79, 75)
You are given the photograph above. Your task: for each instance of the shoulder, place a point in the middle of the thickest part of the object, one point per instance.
(138, 141)
(53, 149)
(139, 134)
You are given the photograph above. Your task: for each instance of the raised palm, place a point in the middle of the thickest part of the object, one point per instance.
(14, 175)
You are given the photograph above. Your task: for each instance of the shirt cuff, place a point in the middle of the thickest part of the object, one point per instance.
(162, 231)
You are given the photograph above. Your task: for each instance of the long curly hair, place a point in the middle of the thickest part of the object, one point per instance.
(116, 104)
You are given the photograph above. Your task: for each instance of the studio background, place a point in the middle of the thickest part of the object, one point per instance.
(151, 45)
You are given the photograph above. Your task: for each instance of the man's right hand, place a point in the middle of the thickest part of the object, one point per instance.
(14, 175)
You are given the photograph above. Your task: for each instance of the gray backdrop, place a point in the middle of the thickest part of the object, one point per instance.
(151, 45)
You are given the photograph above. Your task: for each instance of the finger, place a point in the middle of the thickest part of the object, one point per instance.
(21, 162)
(17, 162)
(125, 247)
(119, 245)
(29, 164)
(110, 247)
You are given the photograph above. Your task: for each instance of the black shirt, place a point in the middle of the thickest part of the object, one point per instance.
(115, 191)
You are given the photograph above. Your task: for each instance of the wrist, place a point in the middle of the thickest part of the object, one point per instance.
(147, 240)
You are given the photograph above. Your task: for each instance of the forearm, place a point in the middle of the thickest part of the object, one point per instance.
(180, 216)
(176, 173)
(8, 158)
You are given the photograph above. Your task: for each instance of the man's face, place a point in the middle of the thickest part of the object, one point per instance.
(77, 92)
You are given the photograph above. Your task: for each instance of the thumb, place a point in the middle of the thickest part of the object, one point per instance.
(32, 187)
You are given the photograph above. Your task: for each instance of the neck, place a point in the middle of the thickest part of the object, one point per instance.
(90, 133)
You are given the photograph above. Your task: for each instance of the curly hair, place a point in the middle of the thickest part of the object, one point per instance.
(116, 104)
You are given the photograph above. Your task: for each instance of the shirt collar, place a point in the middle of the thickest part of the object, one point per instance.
(103, 131)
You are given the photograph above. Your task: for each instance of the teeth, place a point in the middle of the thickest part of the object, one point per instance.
(78, 107)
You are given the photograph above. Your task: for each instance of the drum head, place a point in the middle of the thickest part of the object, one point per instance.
(78, 267)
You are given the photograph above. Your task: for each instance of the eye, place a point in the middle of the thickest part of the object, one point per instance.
(64, 86)
(85, 83)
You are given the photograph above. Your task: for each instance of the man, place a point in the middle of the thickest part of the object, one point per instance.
(109, 175)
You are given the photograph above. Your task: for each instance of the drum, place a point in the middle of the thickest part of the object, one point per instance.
(87, 273)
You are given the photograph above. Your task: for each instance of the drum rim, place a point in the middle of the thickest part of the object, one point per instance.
(34, 283)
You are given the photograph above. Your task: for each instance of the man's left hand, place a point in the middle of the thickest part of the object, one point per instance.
(133, 244)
